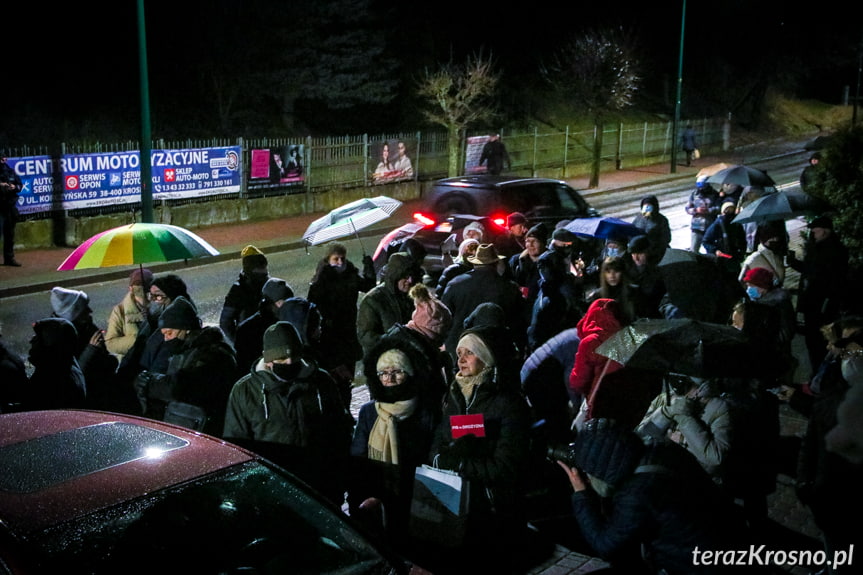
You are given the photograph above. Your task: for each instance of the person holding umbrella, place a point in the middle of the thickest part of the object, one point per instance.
(335, 289)
(823, 271)
(772, 240)
(725, 239)
(703, 205)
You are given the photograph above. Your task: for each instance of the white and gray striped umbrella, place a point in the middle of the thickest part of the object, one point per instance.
(348, 219)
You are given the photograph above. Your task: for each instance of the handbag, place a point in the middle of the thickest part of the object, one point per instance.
(439, 506)
(185, 415)
(584, 410)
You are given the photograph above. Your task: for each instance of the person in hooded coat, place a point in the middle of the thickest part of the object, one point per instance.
(287, 400)
(560, 302)
(387, 303)
(201, 370)
(545, 383)
(13, 379)
(335, 289)
(655, 226)
(250, 332)
(601, 321)
(422, 339)
(645, 508)
(57, 381)
(244, 295)
(97, 364)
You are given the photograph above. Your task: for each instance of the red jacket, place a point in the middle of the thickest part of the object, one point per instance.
(598, 324)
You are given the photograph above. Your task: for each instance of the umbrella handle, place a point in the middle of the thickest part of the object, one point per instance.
(356, 233)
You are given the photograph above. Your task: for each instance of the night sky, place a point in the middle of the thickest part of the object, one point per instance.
(79, 59)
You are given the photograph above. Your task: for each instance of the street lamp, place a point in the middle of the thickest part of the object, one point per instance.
(146, 138)
(676, 127)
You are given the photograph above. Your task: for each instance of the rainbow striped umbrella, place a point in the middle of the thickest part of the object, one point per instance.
(137, 243)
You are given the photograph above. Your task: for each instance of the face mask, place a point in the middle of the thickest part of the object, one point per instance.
(852, 371)
(155, 309)
(286, 371)
(258, 279)
(647, 210)
(339, 267)
(753, 292)
(613, 252)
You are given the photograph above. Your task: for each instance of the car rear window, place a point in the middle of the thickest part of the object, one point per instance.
(78, 452)
(542, 197)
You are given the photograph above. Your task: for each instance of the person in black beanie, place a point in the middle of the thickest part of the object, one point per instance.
(200, 371)
(287, 400)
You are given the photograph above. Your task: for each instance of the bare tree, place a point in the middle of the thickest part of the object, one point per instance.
(598, 69)
(458, 96)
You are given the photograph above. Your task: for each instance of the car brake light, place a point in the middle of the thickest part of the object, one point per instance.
(499, 221)
(424, 219)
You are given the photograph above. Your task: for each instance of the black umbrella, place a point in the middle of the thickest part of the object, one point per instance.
(697, 286)
(603, 227)
(780, 205)
(742, 176)
(685, 346)
(817, 143)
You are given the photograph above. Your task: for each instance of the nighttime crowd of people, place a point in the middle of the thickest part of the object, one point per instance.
(508, 342)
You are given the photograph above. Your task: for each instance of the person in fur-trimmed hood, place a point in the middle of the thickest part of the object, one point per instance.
(388, 302)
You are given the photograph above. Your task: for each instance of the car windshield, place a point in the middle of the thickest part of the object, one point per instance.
(246, 519)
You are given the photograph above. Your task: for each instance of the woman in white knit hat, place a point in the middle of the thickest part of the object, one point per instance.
(484, 436)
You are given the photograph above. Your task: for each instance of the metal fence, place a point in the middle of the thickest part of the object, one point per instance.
(347, 161)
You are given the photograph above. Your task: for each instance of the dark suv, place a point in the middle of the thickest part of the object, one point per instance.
(453, 203)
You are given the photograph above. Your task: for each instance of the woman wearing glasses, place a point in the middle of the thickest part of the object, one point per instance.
(392, 436)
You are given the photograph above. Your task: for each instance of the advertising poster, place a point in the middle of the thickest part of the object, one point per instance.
(274, 167)
(473, 152)
(392, 161)
(91, 180)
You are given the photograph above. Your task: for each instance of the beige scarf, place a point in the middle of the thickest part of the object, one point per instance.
(383, 439)
(468, 383)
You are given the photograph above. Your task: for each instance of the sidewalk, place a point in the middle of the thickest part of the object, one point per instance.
(38, 272)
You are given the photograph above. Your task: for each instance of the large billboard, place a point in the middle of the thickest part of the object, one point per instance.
(90, 180)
